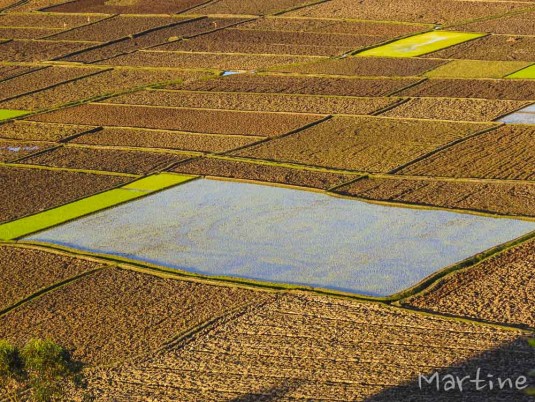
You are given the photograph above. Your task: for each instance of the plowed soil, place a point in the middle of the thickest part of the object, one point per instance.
(300, 347)
(43, 20)
(366, 67)
(193, 120)
(501, 198)
(266, 173)
(124, 6)
(12, 150)
(150, 39)
(372, 28)
(104, 83)
(206, 60)
(41, 79)
(455, 109)
(505, 153)
(38, 50)
(258, 102)
(500, 289)
(114, 314)
(274, 42)
(130, 137)
(476, 69)
(438, 11)
(494, 47)
(24, 271)
(299, 85)
(8, 72)
(111, 160)
(28, 191)
(30, 130)
(521, 24)
(363, 144)
(25, 33)
(250, 7)
(485, 89)
(115, 28)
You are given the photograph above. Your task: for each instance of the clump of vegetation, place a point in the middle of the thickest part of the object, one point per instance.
(40, 370)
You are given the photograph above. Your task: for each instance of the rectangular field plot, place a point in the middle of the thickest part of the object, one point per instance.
(114, 28)
(365, 67)
(454, 109)
(27, 191)
(299, 85)
(233, 229)
(493, 47)
(106, 82)
(520, 24)
(443, 12)
(193, 120)
(96, 315)
(150, 39)
(35, 131)
(37, 50)
(124, 7)
(13, 150)
(517, 199)
(268, 173)
(258, 102)
(111, 160)
(207, 60)
(46, 20)
(8, 72)
(476, 69)
(420, 44)
(303, 347)
(41, 79)
(484, 89)
(26, 33)
(165, 139)
(237, 40)
(504, 153)
(250, 7)
(24, 271)
(523, 116)
(362, 143)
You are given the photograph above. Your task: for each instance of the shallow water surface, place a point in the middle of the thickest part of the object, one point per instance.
(286, 236)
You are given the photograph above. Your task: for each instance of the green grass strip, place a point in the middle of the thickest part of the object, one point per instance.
(418, 45)
(55, 216)
(6, 114)
(528, 72)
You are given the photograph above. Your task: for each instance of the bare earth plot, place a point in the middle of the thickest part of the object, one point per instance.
(362, 144)
(13, 150)
(301, 347)
(489, 290)
(519, 24)
(29, 130)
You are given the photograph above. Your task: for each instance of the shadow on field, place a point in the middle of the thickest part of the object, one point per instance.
(511, 360)
(269, 394)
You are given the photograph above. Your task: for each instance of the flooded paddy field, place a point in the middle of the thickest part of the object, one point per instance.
(286, 236)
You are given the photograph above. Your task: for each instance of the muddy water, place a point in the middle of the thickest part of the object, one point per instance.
(286, 236)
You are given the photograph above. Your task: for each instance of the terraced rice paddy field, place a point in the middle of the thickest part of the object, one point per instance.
(287, 200)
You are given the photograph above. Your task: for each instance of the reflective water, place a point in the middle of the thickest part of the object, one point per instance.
(287, 236)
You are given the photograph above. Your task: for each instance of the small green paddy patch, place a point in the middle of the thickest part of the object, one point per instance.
(6, 114)
(526, 73)
(476, 69)
(55, 216)
(421, 44)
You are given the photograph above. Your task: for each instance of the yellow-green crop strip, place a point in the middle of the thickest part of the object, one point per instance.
(421, 44)
(55, 216)
(526, 73)
(6, 114)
